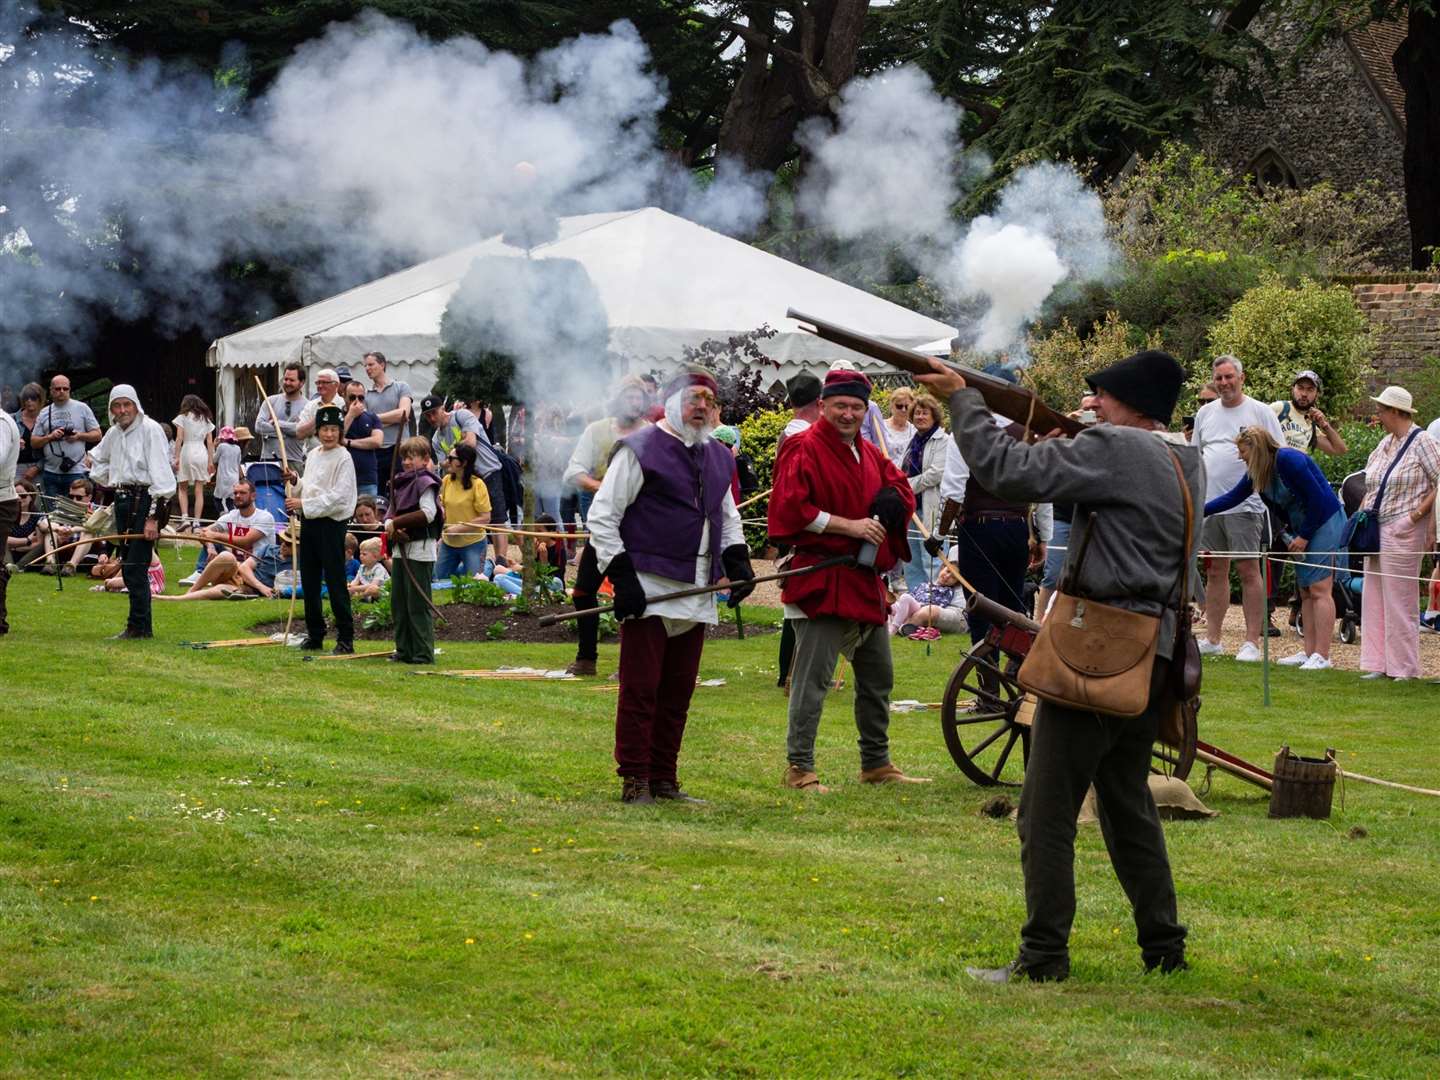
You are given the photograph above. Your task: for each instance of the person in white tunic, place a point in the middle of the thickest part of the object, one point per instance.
(325, 500)
(664, 520)
(133, 458)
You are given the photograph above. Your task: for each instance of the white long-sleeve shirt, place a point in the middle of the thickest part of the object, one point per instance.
(9, 456)
(327, 490)
(137, 454)
(621, 487)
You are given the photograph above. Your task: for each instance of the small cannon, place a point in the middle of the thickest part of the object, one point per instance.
(985, 713)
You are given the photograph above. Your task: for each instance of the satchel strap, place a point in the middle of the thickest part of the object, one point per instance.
(1184, 581)
(1375, 507)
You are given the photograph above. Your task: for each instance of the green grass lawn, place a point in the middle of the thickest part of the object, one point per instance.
(235, 863)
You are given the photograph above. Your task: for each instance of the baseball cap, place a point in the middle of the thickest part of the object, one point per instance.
(1307, 374)
(432, 401)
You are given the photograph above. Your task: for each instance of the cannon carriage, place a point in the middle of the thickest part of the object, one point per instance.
(986, 714)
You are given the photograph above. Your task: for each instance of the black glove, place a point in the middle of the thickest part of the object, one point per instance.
(629, 593)
(736, 559)
(890, 509)
(933, 545)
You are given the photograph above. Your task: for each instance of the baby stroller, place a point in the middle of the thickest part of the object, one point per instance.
(269, 481)
(1347, 586)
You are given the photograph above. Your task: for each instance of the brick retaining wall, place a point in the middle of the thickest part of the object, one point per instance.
(1408, 317)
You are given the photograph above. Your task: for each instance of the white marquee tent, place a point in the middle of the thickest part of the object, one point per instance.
(665, 283)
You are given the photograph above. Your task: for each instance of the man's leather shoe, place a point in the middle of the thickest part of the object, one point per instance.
(1016, 970)
(581, 667)
(670, 789)
(343, 648)
(311, 644)
(635, 790)
(803, 780)
(130, 634)
(889, 774)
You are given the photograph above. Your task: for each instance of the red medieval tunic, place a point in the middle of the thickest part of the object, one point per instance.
(818, 471)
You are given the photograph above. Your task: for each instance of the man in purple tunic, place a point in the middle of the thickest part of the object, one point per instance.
(663, 520)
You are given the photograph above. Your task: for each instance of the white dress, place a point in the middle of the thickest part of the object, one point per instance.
(194, 455)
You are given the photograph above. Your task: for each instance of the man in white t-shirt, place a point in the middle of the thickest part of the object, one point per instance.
(1238, 530)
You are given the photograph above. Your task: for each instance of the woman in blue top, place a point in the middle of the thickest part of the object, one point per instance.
(1313, 523)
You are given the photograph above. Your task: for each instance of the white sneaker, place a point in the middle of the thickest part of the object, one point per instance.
(1316, 663)
(190, 580)
(1211, 648)
(1249, 653)
(1295, 659)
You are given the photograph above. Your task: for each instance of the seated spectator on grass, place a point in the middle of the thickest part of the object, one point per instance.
(65, 523)
(233, 574)
(366, 583)
(930, 609)
(23, 545)
(246, 526)
(509, 577)
(108, 567)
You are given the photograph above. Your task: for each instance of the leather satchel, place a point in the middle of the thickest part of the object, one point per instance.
(1098, 657)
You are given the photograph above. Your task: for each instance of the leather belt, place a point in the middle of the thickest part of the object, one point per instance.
(991, 515)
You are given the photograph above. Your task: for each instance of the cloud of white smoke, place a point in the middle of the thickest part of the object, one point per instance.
(375, 147)
(892, 169)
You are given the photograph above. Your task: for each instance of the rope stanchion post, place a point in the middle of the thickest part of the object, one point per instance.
(295, 541)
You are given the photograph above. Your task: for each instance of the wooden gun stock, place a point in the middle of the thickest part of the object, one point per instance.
(1003, 398)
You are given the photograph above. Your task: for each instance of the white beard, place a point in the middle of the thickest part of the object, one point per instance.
(673, 416)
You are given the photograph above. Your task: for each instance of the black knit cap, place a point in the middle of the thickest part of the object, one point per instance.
(1149, 382)
(802, 389)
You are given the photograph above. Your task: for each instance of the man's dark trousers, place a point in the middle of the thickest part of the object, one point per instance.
(132, 507)
(993, 554)
(657, 680)
(322, 559)
(9, 516)
(1069, 750)
(587, 587)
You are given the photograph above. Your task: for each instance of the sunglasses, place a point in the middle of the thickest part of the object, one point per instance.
(354, 397)
(452, 457)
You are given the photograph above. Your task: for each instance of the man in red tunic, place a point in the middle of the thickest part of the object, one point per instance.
(837, 494)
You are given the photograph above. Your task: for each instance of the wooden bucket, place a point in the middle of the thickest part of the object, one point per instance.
(1304, 787)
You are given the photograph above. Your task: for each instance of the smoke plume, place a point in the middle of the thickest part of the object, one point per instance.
(893, 167)
(127, 189)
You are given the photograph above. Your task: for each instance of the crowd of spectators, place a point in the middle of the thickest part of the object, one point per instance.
(1265, 496)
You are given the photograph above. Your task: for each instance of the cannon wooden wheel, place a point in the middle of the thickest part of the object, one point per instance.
(983, 738)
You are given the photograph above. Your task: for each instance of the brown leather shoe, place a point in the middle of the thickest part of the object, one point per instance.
(635, 790)
(581, 667)
(889, 774)
(800, 779)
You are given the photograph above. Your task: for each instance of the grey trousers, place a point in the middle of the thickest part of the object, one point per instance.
(818, 645)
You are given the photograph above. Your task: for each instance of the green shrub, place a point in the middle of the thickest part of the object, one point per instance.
(1180, 295)
(1360, 439)
(1178, 199)
(380, 616)
(1061, 359)
(496, 630)
(759, 435)
(468, 590)
(1276, 331)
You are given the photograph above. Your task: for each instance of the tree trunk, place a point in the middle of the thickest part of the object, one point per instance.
(789, 75)
(1417, 65)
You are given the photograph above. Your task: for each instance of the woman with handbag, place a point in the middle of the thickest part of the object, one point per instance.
(1312, 528)
(1401, 477)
